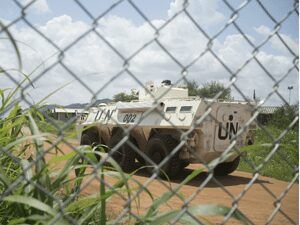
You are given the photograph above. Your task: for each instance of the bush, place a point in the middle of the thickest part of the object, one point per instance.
(284, 116)
(283, 163)
(123, 97)
(208, 90)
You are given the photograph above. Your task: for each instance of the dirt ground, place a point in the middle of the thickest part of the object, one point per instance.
(257, 202)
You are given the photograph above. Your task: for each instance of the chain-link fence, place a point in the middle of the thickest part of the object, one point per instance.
(174, 148)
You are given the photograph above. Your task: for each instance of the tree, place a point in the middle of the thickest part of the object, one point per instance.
(208, 90)
(192, 88)
(123, 97)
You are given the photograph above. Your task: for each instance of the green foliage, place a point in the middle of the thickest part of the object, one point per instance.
(283, 164)
(11, 124)
(57, 127)
(34, 200)
(208, 90)
(276, 167)
(193, 88)
(123, 97)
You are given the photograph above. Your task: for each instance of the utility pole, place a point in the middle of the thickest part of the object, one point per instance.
(290, 88)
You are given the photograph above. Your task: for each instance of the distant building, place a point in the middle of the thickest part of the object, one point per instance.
(266, 113)
(64, 114)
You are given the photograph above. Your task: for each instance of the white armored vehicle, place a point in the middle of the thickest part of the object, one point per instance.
(163, 118)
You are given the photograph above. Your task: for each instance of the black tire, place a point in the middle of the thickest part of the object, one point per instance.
(226, 168)
(124, 155)
(89, 139)
(157, 149)
(140, 159)
(185, 164)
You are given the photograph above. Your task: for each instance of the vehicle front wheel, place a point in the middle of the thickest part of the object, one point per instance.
(158, 148)
(124, 155)
(226, 168)
(89, 139)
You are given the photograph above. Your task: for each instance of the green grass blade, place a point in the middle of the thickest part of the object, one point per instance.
(25, 138)
(103, 201)
(17, 221)
(42, 173)
(28, 175)
(31, 202)
(65, 157)
(5, 179)
(167, 195)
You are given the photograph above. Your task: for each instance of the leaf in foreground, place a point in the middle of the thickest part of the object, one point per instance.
(31, 202)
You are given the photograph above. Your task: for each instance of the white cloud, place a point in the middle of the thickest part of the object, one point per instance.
(95, 63)
(40, 6)
(205, 12)
(276, 42)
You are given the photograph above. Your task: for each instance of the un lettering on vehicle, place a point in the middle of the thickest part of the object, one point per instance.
(228, 131)
(104, 115)
(227, 126)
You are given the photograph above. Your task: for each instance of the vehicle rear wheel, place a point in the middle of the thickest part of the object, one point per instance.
(124, 155)
(158, 148)
(226, 168)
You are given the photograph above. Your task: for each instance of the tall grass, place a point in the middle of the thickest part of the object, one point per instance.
(29, 192)
(284, 163)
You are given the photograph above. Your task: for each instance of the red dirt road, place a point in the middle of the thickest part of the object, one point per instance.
(256, 203)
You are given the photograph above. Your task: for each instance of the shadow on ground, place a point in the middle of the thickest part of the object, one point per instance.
(229, 180)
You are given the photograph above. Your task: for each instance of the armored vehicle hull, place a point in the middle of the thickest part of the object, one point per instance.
(180, 130)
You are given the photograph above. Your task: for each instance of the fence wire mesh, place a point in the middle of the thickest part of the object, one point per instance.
(49, 176)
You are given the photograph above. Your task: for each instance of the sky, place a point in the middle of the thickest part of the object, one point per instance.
(94, 61)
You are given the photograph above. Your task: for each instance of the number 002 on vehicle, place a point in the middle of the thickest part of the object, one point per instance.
(129, 117)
